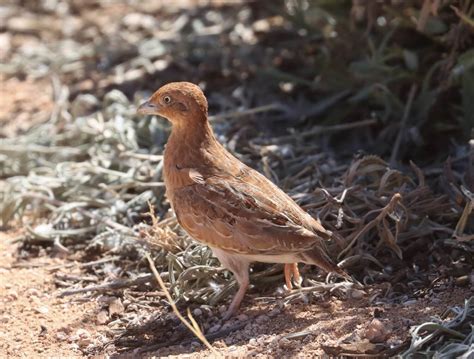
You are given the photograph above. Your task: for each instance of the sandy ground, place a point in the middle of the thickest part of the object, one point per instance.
(37, 323)
(23, 104)
(339, 326)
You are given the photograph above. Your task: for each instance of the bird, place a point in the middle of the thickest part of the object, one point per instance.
(223, 203)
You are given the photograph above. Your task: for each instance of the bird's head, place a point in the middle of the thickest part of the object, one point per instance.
(179, 102)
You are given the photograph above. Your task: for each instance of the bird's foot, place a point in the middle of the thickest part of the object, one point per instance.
(292, 274)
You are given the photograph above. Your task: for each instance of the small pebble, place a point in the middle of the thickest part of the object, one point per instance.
(214, 328)
(116, 307)
(82, 337)
(285, 343)
(33, 291)
(66, 330)
(357, 294)
(228, 341)
(378, 312)
(462, 281)
(12, 295)
(195, 345)
(242, 317)
(104, 299)
(226, 326)
(219, 344)
(207, 310)
(61, 336)
(262, 319)
(42, 309)
(197, 312)
(102, 317)
(274, 312)
(84, 342)
(376, 331)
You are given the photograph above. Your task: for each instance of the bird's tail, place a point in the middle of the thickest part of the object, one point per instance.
(318, 256)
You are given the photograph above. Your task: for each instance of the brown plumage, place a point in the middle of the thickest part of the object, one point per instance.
(227, 205)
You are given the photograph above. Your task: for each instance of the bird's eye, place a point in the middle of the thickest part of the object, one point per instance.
(167, 99)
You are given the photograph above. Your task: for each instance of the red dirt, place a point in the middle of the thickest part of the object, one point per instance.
(23, 104)
(34, 320)
(39, 324)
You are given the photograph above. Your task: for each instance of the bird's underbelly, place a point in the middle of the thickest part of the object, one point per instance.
(266, 258)
(226, 256)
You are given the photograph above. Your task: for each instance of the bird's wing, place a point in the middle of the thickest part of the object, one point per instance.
(281, 201)
(231, 213)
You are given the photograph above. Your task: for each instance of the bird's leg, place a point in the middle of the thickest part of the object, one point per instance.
(240, 268)
(239, 296)
(291, 271)
(287, 270)
(296, 274)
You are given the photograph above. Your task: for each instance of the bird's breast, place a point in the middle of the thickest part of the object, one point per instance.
(173, 173)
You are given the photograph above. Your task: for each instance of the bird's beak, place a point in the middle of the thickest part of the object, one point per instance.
(148, 108)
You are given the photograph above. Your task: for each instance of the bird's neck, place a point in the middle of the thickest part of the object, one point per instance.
(188, 143)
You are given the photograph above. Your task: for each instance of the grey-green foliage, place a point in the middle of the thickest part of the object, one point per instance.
(452, 338)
